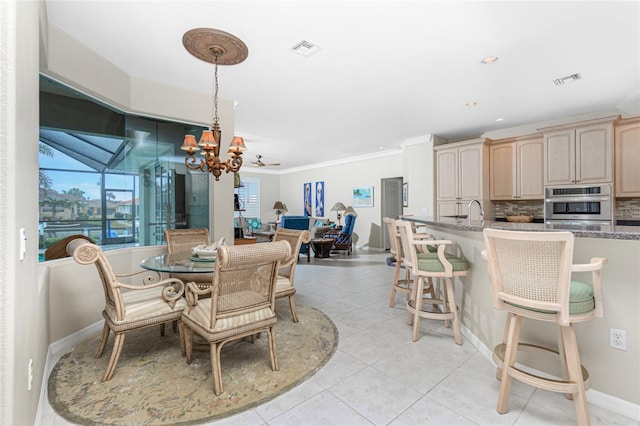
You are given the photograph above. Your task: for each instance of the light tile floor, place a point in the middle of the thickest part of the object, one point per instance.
(379, 376)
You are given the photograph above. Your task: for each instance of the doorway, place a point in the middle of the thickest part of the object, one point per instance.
(391, 204)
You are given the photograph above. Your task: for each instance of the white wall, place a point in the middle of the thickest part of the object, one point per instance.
(419, 174)
(23, 312)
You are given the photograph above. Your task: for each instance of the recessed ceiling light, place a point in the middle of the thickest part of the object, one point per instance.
(471, 104)
(381, 147)
(500, 119)
(489, 60)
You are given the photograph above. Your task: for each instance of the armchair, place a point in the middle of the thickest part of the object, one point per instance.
(241, 302)
(138, 306)
(343, 240)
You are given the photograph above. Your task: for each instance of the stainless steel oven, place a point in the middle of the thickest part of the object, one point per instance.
(578, 204)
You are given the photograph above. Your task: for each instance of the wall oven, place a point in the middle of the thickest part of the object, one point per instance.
(578, 204)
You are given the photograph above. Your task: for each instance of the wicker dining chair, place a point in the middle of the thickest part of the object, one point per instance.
(58, 250)
(179, 245)
(530, 275)
(426, 268)
(129, 307)
(285, 285)
(241, 302)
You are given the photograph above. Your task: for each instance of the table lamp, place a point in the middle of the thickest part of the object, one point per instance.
(338, 207)
(279, 207)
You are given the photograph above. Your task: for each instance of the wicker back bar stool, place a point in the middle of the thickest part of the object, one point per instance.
(426, 267)
(530, 275)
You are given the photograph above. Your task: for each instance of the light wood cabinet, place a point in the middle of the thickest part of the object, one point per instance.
(580, 153)
(517, 168)
(627, 158)
(461, 176)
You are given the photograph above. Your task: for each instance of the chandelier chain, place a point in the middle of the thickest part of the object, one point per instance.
(215, 94)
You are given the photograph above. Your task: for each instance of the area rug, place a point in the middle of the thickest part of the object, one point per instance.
(154, 385)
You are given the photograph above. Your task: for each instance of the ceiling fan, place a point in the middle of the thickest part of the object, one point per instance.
(260, 163)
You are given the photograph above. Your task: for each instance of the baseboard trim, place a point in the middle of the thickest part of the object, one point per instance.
(55, 351)
(606, 401)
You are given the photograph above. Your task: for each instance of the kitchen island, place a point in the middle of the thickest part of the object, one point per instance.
(615, 374)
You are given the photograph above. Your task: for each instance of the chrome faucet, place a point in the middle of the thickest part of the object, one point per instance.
(469, 209)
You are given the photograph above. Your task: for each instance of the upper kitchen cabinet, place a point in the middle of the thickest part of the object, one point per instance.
(517, 168)
(627, 158)
(580, 153)
(462, 174)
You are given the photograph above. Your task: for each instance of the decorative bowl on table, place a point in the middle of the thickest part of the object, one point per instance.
(520, 218)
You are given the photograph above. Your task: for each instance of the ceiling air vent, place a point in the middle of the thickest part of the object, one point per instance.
(567, 79)
(305, 48)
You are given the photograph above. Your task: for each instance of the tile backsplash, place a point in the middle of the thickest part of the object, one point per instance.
(532, 207)
(628, 209)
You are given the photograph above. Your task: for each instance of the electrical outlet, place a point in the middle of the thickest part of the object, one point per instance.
(618, 339)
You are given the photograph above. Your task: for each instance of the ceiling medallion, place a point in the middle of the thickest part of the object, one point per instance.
(215, 46)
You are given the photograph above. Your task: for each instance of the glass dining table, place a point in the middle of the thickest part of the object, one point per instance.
(192, 265)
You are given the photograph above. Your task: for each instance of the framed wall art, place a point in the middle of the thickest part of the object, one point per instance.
(308, 210)
(319, 199)
(405, 194)
(363, 197)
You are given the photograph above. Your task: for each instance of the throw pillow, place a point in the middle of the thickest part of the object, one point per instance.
(319, 223)
(255, 224)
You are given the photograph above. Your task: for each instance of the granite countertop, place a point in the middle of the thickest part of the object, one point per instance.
(612, 232)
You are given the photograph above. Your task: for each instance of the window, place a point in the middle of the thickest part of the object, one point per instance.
(249, 197)
(115, 177)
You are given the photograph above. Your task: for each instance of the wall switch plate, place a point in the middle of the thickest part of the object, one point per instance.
(30, 374)
(23, 243)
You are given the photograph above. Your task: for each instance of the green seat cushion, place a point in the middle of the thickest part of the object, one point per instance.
(580, 299)
(429, 262)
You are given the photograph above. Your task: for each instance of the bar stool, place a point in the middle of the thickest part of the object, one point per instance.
(402, 285)
(530, 275)
(425, 267)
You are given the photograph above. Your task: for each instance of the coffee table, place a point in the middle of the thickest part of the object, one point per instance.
(322, 247)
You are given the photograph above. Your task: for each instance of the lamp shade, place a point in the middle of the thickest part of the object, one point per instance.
(207, 139)
(349, 211)
(190, 144)
(338, 207)
(279, 206)
(237, 145)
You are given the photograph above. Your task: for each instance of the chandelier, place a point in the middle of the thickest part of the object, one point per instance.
(219, 48)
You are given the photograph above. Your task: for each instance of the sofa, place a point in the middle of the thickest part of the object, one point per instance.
(318, 226)
(249, 225)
